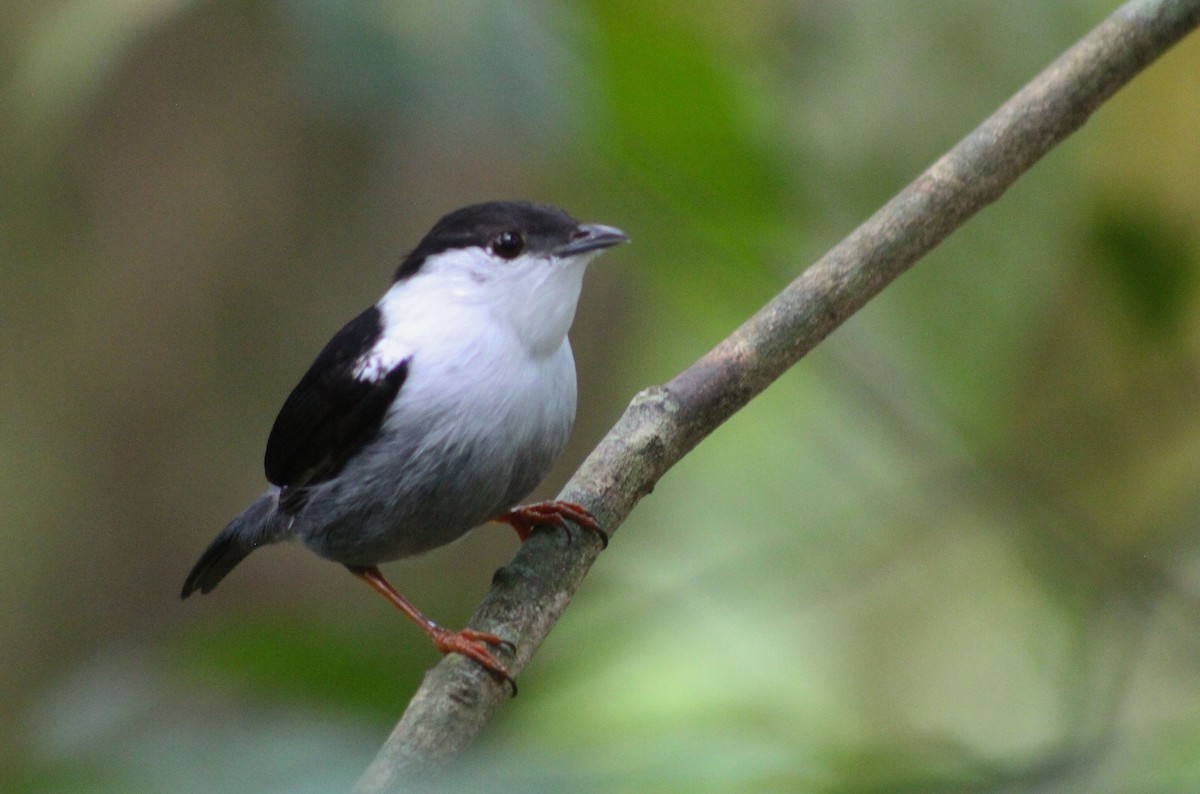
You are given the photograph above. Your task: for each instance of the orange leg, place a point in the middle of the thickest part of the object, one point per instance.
(470, 643)
(553, 514)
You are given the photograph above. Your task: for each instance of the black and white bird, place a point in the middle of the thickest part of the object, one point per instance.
(435, 410)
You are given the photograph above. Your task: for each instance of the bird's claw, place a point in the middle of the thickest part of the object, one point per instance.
(555, 514)
(475, 645)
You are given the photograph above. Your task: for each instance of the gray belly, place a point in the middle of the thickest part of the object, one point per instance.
(422, 488)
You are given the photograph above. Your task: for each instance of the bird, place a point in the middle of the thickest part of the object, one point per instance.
(437, 409)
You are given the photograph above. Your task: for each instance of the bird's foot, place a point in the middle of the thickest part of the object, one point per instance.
(468, 642)
(474, 645)
(553, 514)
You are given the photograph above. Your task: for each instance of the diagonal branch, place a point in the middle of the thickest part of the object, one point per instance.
(457, 699)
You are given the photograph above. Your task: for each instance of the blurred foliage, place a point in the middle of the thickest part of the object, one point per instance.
(955, 550)
(1152, 262)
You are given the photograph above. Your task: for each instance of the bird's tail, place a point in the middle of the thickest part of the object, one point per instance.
(255, 527)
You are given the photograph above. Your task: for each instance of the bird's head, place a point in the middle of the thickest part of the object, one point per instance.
(523, 261)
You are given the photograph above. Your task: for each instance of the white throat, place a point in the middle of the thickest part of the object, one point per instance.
(534, 295)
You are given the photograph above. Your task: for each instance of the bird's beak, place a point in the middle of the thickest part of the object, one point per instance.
(591, 237)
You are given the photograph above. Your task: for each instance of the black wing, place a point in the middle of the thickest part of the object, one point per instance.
(331, 413)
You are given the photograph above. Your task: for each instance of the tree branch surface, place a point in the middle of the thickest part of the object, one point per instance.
(457, 699)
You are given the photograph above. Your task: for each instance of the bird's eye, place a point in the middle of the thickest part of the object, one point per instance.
(508, 245)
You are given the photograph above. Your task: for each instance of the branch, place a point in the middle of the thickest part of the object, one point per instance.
(457, 699)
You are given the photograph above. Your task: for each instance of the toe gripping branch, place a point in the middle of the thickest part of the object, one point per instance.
(473, 644)
(553, 514)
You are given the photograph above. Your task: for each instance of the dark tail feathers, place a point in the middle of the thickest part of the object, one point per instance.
(241, 536)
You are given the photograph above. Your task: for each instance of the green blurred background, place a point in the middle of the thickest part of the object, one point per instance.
(956, 549)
